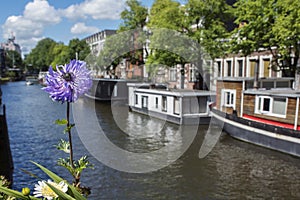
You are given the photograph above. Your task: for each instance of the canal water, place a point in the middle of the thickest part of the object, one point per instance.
(232, 170)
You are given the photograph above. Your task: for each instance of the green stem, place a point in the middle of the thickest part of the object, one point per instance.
(70, 136)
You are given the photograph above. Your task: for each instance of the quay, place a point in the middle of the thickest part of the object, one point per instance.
(6, 161)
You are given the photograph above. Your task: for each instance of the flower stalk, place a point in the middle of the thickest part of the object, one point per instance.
(70, 135)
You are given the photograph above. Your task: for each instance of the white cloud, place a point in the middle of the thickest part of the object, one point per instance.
(40, 11)
(38, 14)
(96, 9)
(29, 27)
(81, 28)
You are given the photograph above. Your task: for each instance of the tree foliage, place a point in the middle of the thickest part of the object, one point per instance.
(165, 25)
(200, 20)
(134, 16)
(271, 25)
(42, 55)
(78, 48)
(48, 52)
(206, 22)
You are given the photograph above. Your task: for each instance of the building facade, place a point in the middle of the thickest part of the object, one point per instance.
(96, 41)
(10, 45)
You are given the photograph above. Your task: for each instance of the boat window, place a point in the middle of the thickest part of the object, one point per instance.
(274, 106)
(228, 98)
(136, 99)
(176, 106)
(164, 103)
(156, 102)
(144, 102)
(279, 106)
(266, 104)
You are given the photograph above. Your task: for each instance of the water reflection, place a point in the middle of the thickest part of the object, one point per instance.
(144, 145)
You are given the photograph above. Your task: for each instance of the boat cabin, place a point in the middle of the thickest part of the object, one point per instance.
(176, 106)
(273, 102)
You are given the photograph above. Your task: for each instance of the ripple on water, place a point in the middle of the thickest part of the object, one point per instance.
(232, 170)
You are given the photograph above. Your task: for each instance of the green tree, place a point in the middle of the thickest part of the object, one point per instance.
(206, 22)
(42, 55)
(61, 54)
(134, 16)
(271, 25)
(116, 47)
(78, 49)
(165, 19)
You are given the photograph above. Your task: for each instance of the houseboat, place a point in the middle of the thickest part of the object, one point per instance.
(265, 113)
(178, 106)
(106, 89)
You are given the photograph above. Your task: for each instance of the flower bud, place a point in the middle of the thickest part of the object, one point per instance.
(26, 191)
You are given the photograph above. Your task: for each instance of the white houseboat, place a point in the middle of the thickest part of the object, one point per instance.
(267, 115)
(172, 105)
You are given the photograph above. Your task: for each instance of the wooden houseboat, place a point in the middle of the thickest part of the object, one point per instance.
(176, 106)
(267, 115)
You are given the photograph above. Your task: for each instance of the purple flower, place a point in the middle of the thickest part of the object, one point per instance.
(68, 82)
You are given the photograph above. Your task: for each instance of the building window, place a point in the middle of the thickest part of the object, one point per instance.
(156, 102)
(274, 106)
(192, 74)
(173, 74)
(228, 98)
(266, 64)
(164, 104)
(240, 68)
(219, 68)
(252, 68)
(229, 67)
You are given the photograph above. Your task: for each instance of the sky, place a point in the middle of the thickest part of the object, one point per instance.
(61, 20)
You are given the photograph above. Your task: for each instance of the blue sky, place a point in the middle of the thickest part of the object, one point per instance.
(32, 20)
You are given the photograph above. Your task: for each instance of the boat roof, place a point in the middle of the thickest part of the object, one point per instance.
(280, 92)
(176, 92)
(239, 79)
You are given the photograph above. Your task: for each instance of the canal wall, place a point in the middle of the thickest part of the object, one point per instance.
(6, 161)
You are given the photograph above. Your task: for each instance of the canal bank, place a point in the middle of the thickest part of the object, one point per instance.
(6, 162)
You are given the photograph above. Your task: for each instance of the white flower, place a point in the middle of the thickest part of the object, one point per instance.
(43, 190)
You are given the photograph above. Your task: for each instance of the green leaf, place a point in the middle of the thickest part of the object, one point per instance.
(52, 175)
(16, 194)
(57, 179)
(61, 122)
(68, 129)
(76, 194)
(60, 193)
